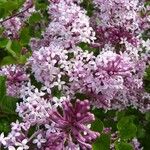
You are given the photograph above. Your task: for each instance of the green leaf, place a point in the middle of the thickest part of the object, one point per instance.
(24, 36)
(22, 59)
(123, 146)
(127, 128)
(35, 18)
(102, 143)
(140, 132)
(9, 49)
(2, 86)
(9, 7)
(120, 114)
(147, 116)
(97, 125)
(8, 105)
(41, 5)
(3, 42)
(16, 47)
(2, 12)
(8, 60)
(88, 5)
(4, 125)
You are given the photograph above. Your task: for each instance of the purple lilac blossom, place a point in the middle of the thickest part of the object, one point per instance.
(16, 76)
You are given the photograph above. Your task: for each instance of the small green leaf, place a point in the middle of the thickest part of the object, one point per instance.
(9, 49)
(120, 114)
(2, 86)
(147, 116)
(35, 18)
(97, 125)
(140, 132)
(4, 125)
(123, 146)
(127, 128)
(102, 143)
(41, 5)
(22, 59)
(24, 36)
(8, 105)
(3, 42)
(8, 60)
(2, 12)
(16, 47)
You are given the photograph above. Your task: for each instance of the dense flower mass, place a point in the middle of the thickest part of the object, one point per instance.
(119, 20)
(104, 57)
(16, 77)
(14, 24)
(69, 26)
(74, 121)
(46, 64)
(71, 128)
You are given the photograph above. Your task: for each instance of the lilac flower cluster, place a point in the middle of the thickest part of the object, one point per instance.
(53, 130)
(69, 26)
(102, 77)
(112, 79)
(16, 77)
(118, 20)
(12, 25)
(74, 121)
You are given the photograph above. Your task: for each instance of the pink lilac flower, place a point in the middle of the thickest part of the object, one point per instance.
(101, 77)
(22, 145)
(39, 141)
(114, 36)
(16, 77)
(69, 26)
(13, 24)
(28, 8)
(34, 108)
(46, 65)
(73, 122)
(112, 79)
(2, 139)
(145, 18)
(17, 137)
(117, 20)
(69, 130)
(136, 144)
(121, 13)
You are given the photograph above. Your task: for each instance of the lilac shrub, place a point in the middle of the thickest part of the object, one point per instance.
(111, 79)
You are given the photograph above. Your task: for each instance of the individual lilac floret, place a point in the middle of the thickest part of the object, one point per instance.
(73, 122)
(16, 77)
(136, 144)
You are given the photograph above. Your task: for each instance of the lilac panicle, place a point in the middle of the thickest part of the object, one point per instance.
(74, 120)
(16, 76)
